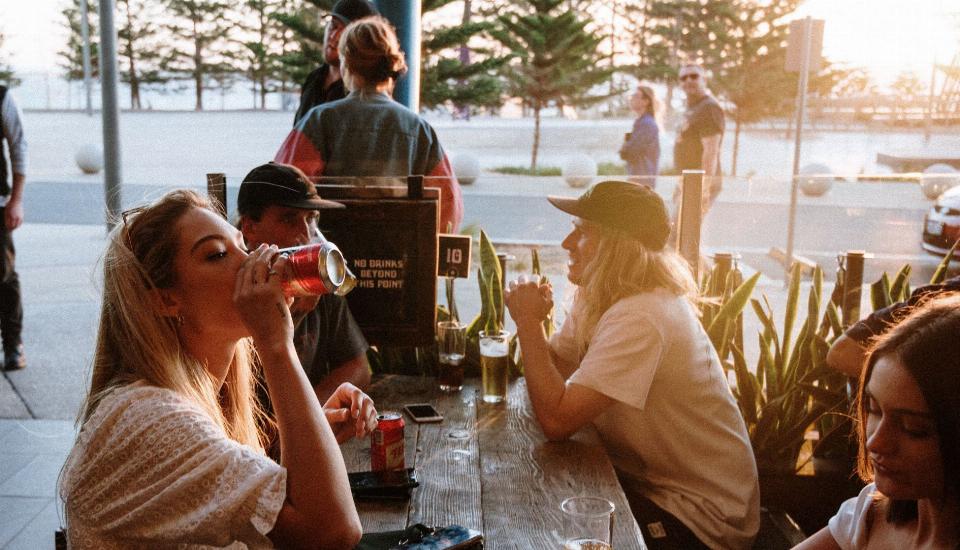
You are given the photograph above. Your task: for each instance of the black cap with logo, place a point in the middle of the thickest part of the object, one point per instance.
(279, 184)
(631, 208)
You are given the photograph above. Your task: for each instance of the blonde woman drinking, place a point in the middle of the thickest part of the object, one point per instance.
(170, 451)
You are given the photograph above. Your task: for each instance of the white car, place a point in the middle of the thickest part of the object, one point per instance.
(941, 225)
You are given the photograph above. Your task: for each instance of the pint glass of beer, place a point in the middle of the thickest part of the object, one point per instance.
(494, 365)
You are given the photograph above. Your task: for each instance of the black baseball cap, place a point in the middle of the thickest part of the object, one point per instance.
(348, 11)
(279, 184)
(628, 207)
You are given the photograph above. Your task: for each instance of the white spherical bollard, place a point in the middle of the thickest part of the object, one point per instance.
(89, 158)
(466, 167)
(579, 170)
(937, 178)
(817, 183)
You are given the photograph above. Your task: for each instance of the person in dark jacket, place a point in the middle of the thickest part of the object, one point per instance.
(325, 83)
(641, 149)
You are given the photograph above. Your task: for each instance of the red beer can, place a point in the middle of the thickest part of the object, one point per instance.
(386, 444)
(313, 269)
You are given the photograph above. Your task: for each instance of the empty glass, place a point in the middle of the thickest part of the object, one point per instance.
(587, 523)
(452, 346)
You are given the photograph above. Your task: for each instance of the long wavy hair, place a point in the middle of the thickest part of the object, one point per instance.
(927, 344)
(623, 267)
(136, 342)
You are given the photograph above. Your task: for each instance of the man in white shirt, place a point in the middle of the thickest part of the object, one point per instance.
(11, 217)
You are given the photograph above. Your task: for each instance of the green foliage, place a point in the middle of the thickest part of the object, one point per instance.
(140, 58)
(458, 71)
(941, 273)
(201, 32)
(555, 62)
(6, 73)
(306, 36)
(791, 386)
(71, 57)
(527, 171)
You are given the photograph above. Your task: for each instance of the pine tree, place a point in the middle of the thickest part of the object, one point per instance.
(304, 21)
(6, 72)
(456, 71)
(556, 59)
(141, 62)
(266, 45)
(201, 32)
(71, 58)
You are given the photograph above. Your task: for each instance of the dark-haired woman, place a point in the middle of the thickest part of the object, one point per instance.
(642, 150)
(368, 134)
(909, 413)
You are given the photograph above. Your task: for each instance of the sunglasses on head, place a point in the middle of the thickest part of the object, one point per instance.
(689, 76)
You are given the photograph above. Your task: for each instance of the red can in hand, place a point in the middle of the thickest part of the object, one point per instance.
(386, 443)
(313, 269)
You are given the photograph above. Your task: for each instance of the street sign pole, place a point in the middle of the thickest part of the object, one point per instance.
(801, 107)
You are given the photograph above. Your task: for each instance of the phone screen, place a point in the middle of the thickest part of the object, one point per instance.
(423, 412)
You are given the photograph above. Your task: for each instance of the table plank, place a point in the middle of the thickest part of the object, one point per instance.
(503, 479)
(525, 478)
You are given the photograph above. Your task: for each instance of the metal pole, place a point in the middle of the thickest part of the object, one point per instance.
(110, 110)
(801, 106)
(852, 285)
(689, 218)
(405, 16)
(85, 49)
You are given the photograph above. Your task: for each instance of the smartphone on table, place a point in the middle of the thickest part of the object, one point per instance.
(423, 412)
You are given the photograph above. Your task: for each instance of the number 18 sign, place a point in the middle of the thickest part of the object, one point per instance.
(453, 255)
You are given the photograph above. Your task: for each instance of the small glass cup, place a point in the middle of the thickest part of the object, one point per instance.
(452, 347)
(587, 523)
(494, 365)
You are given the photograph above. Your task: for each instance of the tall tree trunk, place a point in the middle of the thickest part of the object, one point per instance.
(131, 59)
(736, 143)
(463, 111)
(536, 136)
(197, 66)
(263, 92)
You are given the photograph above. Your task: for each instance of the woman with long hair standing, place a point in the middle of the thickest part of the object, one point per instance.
(908, 412)
(642, 149)
(633, 359)
(170, 451)
(367, 133)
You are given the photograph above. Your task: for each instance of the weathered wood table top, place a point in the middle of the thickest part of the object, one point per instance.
(489, 468)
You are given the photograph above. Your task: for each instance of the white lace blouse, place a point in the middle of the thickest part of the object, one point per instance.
(150, 469)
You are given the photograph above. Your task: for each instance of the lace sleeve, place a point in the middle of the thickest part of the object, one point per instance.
(153, 467)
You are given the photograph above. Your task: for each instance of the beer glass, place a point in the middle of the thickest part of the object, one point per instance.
(587, 523)
(494, 365)
(452, 346)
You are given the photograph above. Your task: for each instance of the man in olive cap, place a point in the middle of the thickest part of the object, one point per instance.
(278, 205)
(324, 83)
(632, 359)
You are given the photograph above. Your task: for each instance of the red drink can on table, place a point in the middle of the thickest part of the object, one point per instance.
(386, 444)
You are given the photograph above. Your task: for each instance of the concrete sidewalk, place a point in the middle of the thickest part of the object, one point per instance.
(32, 452)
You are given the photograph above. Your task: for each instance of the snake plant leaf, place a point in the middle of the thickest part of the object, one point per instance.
(900, 289)
(490, 265)
(827, 398)
(747, 387)
(727, 316)
(535, 262)
(790, 312)
(880, 293)
(833, 315)
(941, 273)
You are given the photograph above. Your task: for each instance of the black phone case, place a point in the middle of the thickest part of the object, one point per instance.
(395, 484)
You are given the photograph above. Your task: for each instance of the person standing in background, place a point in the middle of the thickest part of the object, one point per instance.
(11, 216)
(641, 149)
(700, 133)
(325, 82)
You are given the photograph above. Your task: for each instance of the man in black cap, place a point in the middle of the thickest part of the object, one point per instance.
(279, 205)
(632, 359)
(324, 83)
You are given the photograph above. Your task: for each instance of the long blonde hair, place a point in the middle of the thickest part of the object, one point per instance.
(135, 342)
(624, 267)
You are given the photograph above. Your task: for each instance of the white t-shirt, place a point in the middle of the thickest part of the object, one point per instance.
(675, 429)
(861, 524)
(151, 469)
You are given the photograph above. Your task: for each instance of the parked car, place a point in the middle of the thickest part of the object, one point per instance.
(941, 225)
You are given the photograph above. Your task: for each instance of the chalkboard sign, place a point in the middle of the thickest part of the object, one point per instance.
(390, 242)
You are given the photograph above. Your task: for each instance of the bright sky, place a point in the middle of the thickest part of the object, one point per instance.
(885, 36)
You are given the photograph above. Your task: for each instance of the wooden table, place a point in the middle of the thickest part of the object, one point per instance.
(489, 468)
